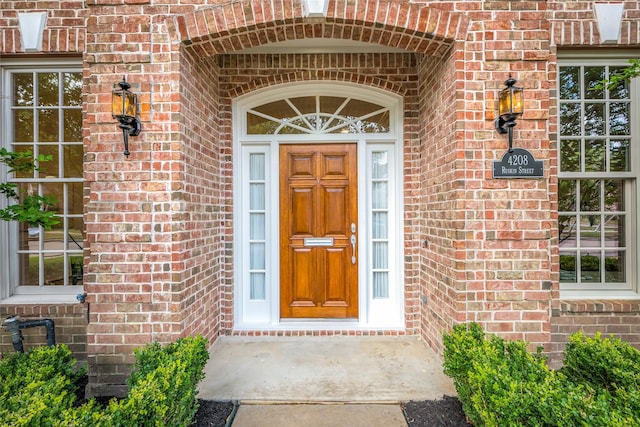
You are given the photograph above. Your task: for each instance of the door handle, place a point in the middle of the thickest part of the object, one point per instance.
(353, 249)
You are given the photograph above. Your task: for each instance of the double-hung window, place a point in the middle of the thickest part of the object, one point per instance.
(597, 185)
(42, 113)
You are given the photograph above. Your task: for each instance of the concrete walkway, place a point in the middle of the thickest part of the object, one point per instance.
(322, 381)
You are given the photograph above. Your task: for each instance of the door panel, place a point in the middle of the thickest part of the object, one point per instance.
(318, 188)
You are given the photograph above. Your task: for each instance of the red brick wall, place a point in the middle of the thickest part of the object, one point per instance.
(70, 325)
(439, 237)
(202, 189)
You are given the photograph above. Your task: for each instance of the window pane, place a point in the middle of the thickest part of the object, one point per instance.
(49, 169)
(54, 269)
(570, 155)
(619, 118)
(594, 119)
(23, 89)
(380, 195)
(278, 110)
(29, 269)
(380, 285)
(614, 264)
(331, 104)
(76, 269)
(76, 233)
(566, 195)
(614, 231)
(48, 126)
(257, 286)
(619, 155)
(592, 76)
(569, 82)
(72, 160)
(48, 85)
(379, 168)
(256, 226)
(257, 258)
(589, 268)
(75, 198)
(256, 197)
(614, 195)
(72, 91)
(570, 119)
(594, 155)
(380, 225)
(590, 195)
(305, 104)
(257, 125)
(590, 231)
(23, 126)
(380, 255)
(378, 123)
(73, 125)
(622, 90)
(568, 267)
(256, 166)
(55, 190)
(567, 229)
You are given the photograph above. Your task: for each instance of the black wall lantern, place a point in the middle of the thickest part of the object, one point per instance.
(124, 107)
(510, 106)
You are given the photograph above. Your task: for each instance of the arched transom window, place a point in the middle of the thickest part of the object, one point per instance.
(317, 115)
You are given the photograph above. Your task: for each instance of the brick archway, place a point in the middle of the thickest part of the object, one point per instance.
(232, 27)
(235, 91)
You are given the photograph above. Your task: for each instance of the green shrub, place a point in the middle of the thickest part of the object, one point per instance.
(607, 363)
(500, 383)
(37, 386)
(162, 389)
(38, 389)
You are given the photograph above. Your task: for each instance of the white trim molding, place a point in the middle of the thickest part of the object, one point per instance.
(609, 19)
(31, 30)
(315, 8)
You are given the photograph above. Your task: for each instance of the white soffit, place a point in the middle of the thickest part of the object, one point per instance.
(609, 18)
(320, 45)
(315, 8)
(31, 28)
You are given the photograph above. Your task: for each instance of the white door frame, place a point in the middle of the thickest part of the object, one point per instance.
(263, 314)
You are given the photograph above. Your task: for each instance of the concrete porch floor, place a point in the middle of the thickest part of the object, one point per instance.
(323, 369)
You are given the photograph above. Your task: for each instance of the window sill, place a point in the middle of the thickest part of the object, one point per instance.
(44, 296)
(574, 295)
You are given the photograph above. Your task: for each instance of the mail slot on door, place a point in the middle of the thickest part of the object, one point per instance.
(318, 241)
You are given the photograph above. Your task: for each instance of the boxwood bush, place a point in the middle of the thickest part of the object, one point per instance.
(162, 388)
(501, 383)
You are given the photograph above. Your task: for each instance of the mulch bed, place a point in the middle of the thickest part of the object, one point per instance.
(446, 412)
(435, 413)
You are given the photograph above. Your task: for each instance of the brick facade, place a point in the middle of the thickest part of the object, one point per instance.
(159, 225)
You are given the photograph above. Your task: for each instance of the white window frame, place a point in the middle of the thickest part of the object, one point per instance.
(10, 292)
(569, 291)
(265, 314)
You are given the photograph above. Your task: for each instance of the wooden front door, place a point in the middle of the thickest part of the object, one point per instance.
(318, 235)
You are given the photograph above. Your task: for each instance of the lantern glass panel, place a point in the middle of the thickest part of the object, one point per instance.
(517, 100)
(505, 102)
(123, 104)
